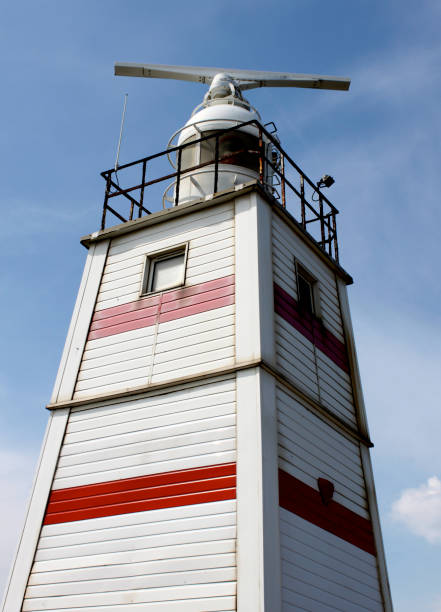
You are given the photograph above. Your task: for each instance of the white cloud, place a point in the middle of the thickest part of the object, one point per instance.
(419, 509)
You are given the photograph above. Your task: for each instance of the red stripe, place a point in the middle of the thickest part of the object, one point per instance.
(156, 504)
(165, 490)
(310, 327)
(173, 305)
(306, 502)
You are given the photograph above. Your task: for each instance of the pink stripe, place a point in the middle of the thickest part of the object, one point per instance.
(177, 294)
(125, 318)
(197, 299)
(129, 307)
(196, 309)
(311, 328)
(163, 307)
(122, 327)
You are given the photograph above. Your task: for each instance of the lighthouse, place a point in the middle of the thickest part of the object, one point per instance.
(207, 446)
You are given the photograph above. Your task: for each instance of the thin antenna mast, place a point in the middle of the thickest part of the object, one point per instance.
(121, 131)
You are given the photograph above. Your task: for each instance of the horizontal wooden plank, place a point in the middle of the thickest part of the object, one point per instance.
(198, 222)
(170, 577)
(306, 502)
(320, 568)
(126, 384)
(197, 324)
(194, 604)
(289, 402)
(140, 596)
(184, 499)
(328, 580)
(135, 556)
(294, 588)
(155, 397)
(330, 545)
(152, 407)
(326, 449)
(140, 373)
(140, 469)
(140, 363)
(153, 521)
(123, 356)
(346, 493)
(209, 240)
(109, 344)
(286, 242)
(222, 332)
(182, 436)
(165, 416)
(314, 455)
(132, 267)
(143, 482)
(141, 529)
(202, 277)
(124, 549)
(121, 446)
(157, 456)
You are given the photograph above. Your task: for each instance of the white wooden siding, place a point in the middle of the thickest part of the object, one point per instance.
(306, 365)
(310, 449)
(287, 246)
(211, 236)
(176, 348)
(181, 558)
(174, 430)
(154, 354)
(321, 572)
(171, 559)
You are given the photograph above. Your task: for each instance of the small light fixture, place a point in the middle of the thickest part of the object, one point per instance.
(325, 181)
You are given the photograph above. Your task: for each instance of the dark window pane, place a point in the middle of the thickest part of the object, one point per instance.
(305, 297)
(235, 148)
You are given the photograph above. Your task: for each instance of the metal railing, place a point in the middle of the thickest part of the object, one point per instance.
(278, 174)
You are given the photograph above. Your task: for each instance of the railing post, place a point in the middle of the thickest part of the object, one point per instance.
(282, 168)
(106, 199)
(302, 200)
(261, 155)
(141, 197)
(322, 221)
(216, 164)
(178, 176)
(334, 235)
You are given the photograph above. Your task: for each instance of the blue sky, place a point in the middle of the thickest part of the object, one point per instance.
(60, 113)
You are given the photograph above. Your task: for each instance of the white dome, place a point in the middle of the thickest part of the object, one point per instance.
(220, 115)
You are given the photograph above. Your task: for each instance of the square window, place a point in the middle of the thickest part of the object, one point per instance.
(307, 291)
(165, 271)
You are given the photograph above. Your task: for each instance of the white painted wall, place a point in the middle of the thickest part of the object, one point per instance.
(303, 363)
(176, 348)
(176, 558)
(321, 572)
(160, 432)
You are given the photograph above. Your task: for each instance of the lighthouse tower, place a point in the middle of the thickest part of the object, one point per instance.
(207, 448)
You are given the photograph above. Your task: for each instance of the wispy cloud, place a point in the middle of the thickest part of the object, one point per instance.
(419, 510)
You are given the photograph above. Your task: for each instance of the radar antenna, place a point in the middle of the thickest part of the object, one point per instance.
(231, 81)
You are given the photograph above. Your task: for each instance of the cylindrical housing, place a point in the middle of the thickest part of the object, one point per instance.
(238, 151)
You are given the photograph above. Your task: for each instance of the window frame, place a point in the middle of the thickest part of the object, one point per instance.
(149, 265)
(303, 272)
